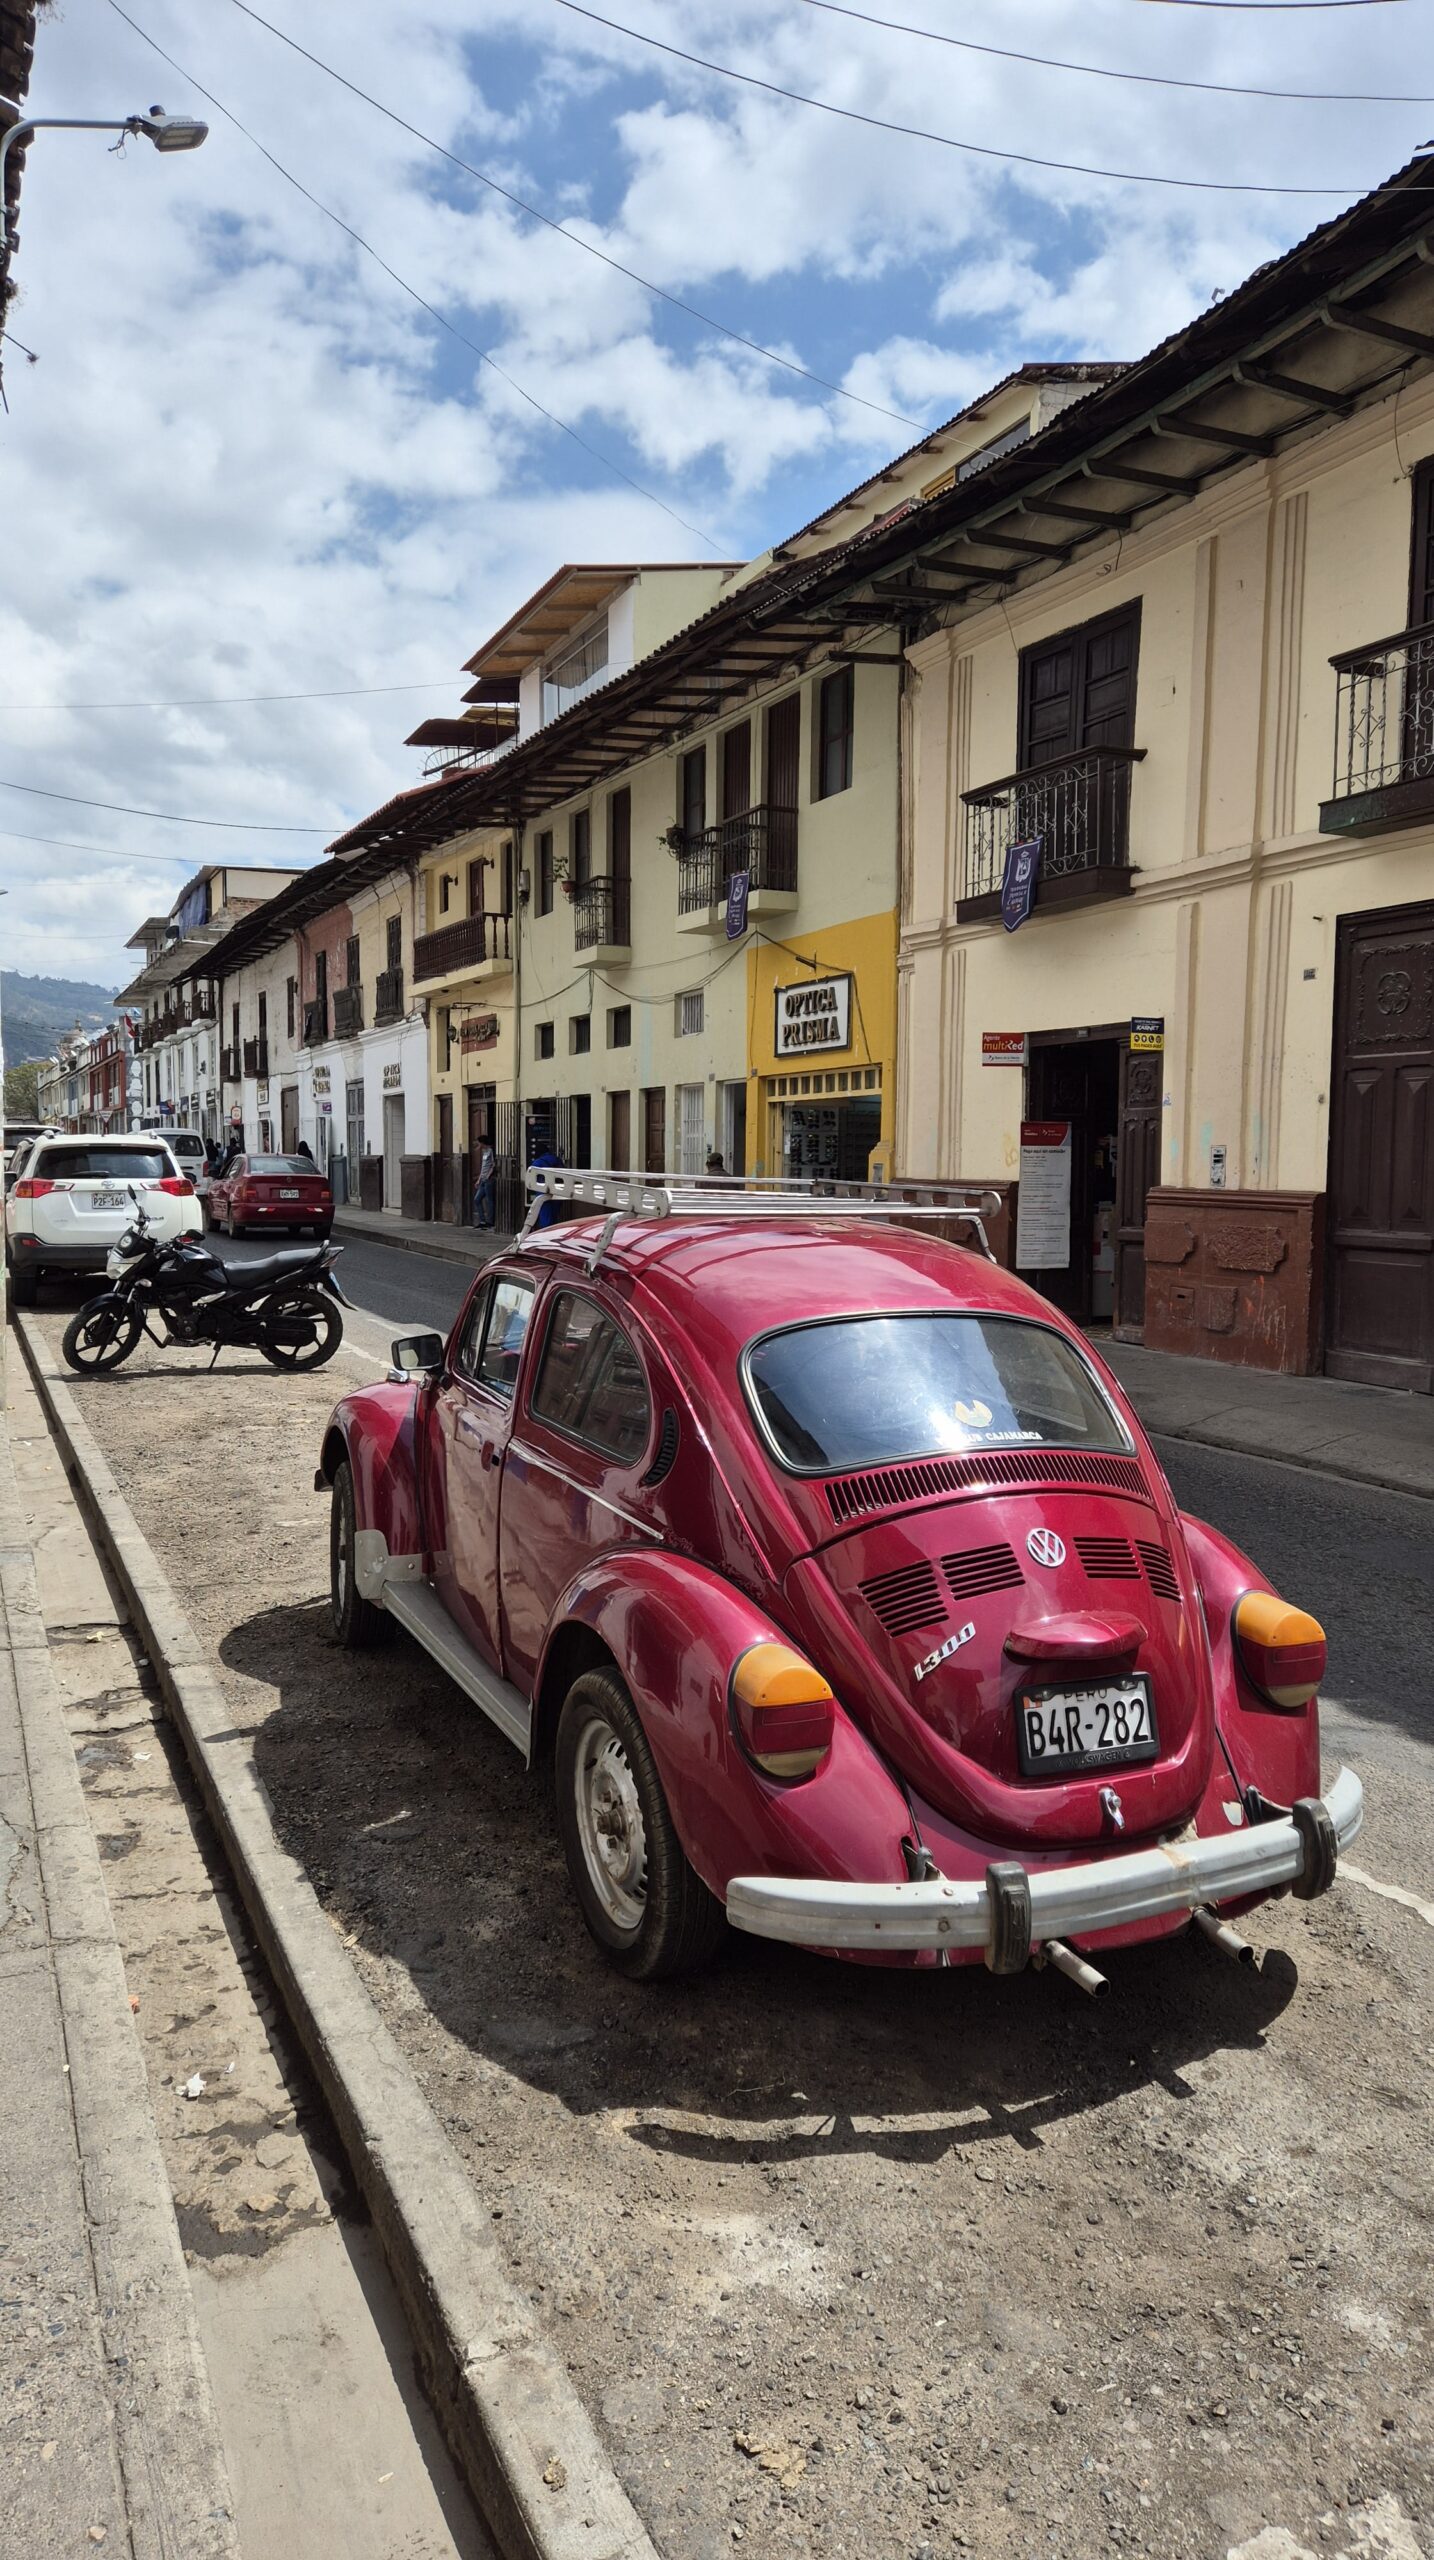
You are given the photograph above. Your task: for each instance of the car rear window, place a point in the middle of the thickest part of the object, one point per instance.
(866, 1389)
(99, 1163)
(282, 1164)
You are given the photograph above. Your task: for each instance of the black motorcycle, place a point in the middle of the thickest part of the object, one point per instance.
(183, 1296)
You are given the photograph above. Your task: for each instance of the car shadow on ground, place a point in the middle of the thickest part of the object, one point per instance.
(426, 1839)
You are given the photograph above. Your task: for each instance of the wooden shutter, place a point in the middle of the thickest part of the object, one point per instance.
(1078, 690)
(784, 729)
(737, 770)
(1421, 558)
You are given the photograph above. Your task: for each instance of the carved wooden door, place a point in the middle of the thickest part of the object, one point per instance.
(1381, 1154)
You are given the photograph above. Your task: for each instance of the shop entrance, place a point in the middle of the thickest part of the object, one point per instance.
(1111, 1098)
(1381, 1153)
(833, 1138)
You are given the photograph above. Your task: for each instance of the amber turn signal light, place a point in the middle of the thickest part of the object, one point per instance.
(784, 1710)
(1282, 1650)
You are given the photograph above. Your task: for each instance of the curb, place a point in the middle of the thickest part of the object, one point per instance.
(524, 2441)
(171, 2457)
(465, 1254)
(1372, 1479)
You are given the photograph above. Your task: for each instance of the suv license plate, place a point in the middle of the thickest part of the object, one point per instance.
(107, 1200)
(1095, 1726)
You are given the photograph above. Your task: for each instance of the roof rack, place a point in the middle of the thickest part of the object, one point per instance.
(766, 1197)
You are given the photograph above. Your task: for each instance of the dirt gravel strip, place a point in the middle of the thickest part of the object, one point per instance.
(517, 2427)
(176, 2488)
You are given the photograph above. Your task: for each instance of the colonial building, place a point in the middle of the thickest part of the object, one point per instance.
(1177, 720)
(184, 1065)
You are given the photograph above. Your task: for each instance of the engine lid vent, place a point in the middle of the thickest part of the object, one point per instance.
(981, 1569)
(1107, 1559)
(919, 1479)
(906, 1598)
(1159, 1571)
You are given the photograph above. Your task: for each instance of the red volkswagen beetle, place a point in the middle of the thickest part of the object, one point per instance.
(834, 1577)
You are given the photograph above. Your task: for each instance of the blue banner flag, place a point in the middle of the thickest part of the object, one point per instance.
(1018, 882)
(738, 889)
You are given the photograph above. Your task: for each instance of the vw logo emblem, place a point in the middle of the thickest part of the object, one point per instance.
(1046, 1547)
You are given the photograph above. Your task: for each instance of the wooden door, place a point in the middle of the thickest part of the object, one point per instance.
(1137, 1171)
(619, 864)
(737, 770)
(1381, 1156)
(654, 1129)
(619, 1132)
(444, 1206)
(784, 734)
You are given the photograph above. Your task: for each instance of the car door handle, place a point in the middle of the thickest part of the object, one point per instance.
(492, 1455)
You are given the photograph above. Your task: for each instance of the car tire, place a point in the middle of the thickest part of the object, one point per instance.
(24, 1284)
(358, 1625)
(648, 1909)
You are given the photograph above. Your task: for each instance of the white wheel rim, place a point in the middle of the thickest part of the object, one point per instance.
(341, 1556)
(611, 1831)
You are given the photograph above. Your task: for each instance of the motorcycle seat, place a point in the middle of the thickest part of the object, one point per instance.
(275, 1266)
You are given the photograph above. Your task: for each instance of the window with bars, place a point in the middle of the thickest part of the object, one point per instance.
(393, 938)
(580, 847)
(690, 1011)
(291, 1001)
(619, 1026)
(543, 1040)
(692, 792)
(580, 1034)
(351, 960)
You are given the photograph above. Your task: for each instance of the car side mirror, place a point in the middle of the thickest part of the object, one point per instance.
(415, 1355)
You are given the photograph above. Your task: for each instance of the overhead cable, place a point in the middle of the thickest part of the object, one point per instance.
(217, 701)
(170, 817)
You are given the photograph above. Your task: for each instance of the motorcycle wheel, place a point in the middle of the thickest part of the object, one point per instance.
(102, 1335)
(328, 1333)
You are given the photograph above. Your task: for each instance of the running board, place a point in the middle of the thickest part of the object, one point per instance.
(416, 1605)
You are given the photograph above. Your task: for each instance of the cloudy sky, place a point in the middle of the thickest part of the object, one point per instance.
(249, 462)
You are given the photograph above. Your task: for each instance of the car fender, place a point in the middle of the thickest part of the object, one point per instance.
(375, 1428)
(1275, 1749)
(674, 1629)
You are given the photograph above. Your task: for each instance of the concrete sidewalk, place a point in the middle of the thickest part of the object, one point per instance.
(1367, 1435)
(468, 1245)
(107, 2432)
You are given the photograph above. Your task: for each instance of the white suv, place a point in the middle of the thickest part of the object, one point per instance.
(71, 1201)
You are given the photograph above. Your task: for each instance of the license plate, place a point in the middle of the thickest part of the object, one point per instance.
(291, 1195)
(1095, 1726)
(106, 1199)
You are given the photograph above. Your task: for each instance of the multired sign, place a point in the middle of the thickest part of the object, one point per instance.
(1003, 1048)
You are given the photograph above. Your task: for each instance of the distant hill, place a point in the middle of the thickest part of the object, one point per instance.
(34, 1012)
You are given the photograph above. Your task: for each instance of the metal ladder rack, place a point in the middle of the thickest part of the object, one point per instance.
(765, 1197)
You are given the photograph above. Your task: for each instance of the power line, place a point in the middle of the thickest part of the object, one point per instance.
(1142, 79)
(170, 817)
(112, 853)
(753, 345)
(985, 150)
(214, 701)
(412, 290)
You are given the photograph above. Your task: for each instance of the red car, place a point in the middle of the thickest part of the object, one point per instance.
(832, 1572)
(270, 1191)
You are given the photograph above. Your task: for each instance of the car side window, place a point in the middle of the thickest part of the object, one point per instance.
(465, 1355)
(510, 1303)
(591, 1381)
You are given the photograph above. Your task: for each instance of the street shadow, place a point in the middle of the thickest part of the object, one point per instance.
(426, 1839)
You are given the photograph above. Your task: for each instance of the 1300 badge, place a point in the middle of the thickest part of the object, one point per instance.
(944, 1651)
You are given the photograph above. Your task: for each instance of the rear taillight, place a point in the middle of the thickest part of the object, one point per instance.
(34, 1190)
(175, 1184)
(1282, 1650)
(326, 1198)
(783, 1709)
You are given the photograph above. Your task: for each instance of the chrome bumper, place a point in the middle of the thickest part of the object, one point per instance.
(1014, 1908)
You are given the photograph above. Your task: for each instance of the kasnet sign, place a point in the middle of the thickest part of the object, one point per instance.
(814, 1016)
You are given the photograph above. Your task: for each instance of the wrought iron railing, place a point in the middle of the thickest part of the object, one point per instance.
(229, 1065)
(762, 842)
(1079, 809)
(256, 1057)
(388, 996)
(602, 914)
(464, 944)
(348, 1011)
(1384, 718)
(316, 1021)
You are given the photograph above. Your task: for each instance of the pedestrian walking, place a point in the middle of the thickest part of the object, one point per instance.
(485, 1188)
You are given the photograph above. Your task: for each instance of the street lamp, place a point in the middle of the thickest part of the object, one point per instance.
(167, 133)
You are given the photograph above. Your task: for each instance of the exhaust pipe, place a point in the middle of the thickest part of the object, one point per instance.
(1074, 1968)
(1221, 1935)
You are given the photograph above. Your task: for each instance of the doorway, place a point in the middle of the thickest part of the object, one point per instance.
(1381, 1152)
(288, 1118)
(732, 1125)
(691, 1139)
(654, 1128)
(1077, 1077)
(831, 1140)
(619, 1132)
(393, 1151)
(444, 1206)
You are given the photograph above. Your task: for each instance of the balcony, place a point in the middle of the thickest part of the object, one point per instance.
(1383, 736)
(763, 843)
(472, 947)
(229, 1066)
(316, 1022)
(1079, 809)
(388, 997)
(602, 919)
(256, 1058)
(348, 1012)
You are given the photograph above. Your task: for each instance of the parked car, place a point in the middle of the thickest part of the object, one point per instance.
(270, 1191)
(71, 1200)
(832, 1572)
(18, 1136)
